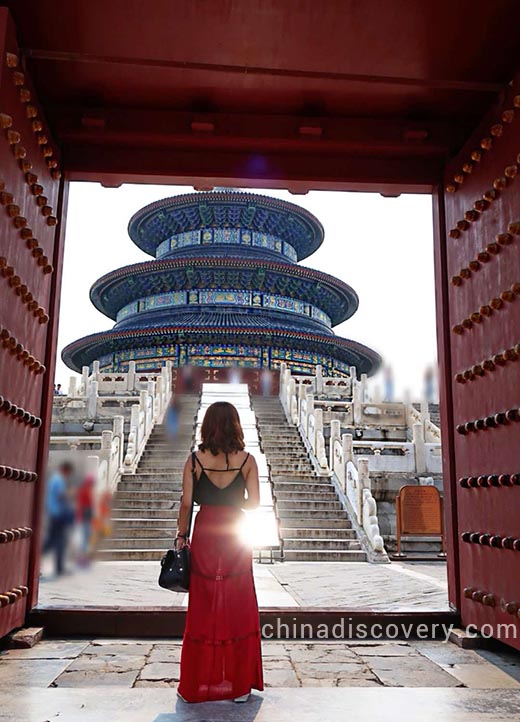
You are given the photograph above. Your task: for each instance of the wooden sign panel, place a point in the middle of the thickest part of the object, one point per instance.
(31, 196)
(420, 510)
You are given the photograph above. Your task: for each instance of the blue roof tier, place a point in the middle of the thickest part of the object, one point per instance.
(117, 289)
(157, 222)
(227, 317)
(86, 350)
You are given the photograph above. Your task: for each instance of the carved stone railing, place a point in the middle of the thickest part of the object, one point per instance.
(101, 455)
(142, 421)
(352, 481)
(98, 395)
(386, 455)
(146, 401)
(344, 463)
(382, 414)
(130, 382)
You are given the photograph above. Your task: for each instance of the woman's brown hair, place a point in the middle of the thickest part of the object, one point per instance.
(221, 429)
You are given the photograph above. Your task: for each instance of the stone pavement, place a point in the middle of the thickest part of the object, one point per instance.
(110, 679)
(408, 586)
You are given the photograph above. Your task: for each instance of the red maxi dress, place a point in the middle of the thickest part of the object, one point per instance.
(221, 649)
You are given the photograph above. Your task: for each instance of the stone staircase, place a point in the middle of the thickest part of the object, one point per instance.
(145, 505)
(435, 414)
(313, 524)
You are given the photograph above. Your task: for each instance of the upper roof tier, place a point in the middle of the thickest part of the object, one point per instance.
(155, 223)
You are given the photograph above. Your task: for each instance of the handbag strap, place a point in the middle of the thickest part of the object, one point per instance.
(194, 478)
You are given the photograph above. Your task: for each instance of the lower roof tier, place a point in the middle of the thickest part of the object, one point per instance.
(181, 344)
(121, 287)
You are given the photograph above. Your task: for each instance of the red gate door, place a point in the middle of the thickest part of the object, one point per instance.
(478, 282)
(31, 198)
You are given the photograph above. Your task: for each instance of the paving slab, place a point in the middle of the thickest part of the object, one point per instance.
(165, 653)
(167, 671)
(482, 676)
(349, 585)
(30, 673)
(107, 663)
(411, 671)
(363, 704)
(96, 678)
(46, 649)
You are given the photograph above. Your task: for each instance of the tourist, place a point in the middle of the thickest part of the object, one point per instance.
(85, 517)
(429, 381)
(221, 654)
(234, 375)
(389, 384)
(266, 381)
(172, 417)
(60, 514)
(188, 384)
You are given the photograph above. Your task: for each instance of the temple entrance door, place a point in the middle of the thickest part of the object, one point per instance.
(478, 290)
(479, 318)
(33, 199)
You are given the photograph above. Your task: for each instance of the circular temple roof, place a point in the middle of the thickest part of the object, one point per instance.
(217, 209)
(124, 285)
(87, 349)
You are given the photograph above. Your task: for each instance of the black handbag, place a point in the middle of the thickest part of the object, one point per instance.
(176, 563)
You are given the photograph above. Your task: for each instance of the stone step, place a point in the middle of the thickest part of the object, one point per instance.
(185, 434)
(325, 533)
(312, 521)
(141, 555)
(299, 477)
(266, 418)
(271, 429)
(312, 487)
(305, 495)
(178, 446)
(136, 494)
(130, 513)
(126, 523)
(155, 542)
(146, 504)
(177, 457)
(271, 435)
(288, 457)
(322, 544)
(164, 481)
(155, 531)
(147, 475)
(288, 469)
(309, 505)
(332, 555)
(157, 468)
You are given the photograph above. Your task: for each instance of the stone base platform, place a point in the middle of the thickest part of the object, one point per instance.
(128, 681)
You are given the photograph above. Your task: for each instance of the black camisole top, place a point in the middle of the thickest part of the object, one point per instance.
(206, 492)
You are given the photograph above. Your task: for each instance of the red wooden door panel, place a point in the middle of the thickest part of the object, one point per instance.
(478, 282)
(31, 198)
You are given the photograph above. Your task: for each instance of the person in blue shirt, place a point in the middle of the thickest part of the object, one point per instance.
(60, 514)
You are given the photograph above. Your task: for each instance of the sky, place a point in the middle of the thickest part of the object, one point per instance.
(382, 247)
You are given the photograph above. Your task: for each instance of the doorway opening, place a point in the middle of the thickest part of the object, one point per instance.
(380, 429)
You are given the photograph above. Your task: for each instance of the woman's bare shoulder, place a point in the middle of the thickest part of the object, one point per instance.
(250, 461)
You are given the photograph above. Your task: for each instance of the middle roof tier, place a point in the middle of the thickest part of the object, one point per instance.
(125, 286)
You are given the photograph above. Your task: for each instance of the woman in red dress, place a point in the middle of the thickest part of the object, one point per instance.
(221, 653)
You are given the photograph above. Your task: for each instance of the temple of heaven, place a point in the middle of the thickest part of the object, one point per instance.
(224, 289)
